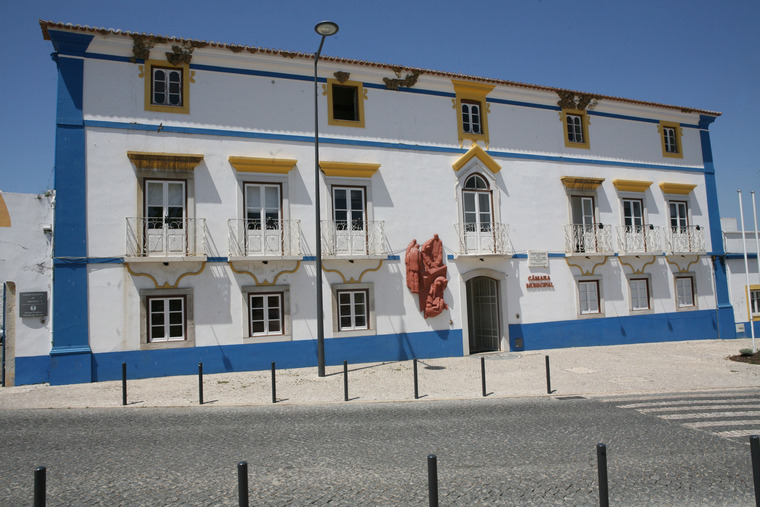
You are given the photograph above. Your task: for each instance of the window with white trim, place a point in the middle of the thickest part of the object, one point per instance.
(684, 292)
(639, 293)
(576, 128)
(353, 309)
(679, 219)
(588, 296)
(265, 311)
(477, 204)
(754, 302)
(166, 318)
(471, 117)
(166, 87)
(670, 137)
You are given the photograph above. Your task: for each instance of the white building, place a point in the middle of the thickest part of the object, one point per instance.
(744, 289)
(185, 218)
(26, 275)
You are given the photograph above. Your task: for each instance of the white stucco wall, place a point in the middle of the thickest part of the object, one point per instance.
(25, 260)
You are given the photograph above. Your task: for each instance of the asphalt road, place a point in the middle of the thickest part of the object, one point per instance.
(519, 451)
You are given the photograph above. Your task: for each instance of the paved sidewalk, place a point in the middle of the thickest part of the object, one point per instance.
(619, 369)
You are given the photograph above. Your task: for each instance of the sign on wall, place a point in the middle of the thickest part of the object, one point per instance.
(538, 259)
(33, 304)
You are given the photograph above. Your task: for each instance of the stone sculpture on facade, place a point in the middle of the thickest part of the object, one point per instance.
(426, 275)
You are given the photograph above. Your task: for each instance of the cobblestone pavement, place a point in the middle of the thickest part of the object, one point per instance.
(512, 451)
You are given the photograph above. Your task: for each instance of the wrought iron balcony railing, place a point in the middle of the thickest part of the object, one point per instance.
(636, 239)
(483, 239)
(166, 237)
(275, 238)
(353, 238)
(588, 239)
(687, 239)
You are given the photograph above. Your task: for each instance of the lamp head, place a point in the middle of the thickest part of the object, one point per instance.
(326, 28)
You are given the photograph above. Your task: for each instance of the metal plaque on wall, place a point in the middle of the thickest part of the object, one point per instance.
(33, 304)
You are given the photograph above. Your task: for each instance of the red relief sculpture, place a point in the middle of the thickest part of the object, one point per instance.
(426, 275)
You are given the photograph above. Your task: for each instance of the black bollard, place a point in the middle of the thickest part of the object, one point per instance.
(601, 459)
(39, 486)
(754, 448)
(200, 383)
(345, 380)
(433, 479)
(123, 383)
(548, 377)
(243, 484)
(483, 374)
(274, 386)
(416, 385)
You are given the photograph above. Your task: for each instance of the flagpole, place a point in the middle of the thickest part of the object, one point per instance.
(746, 273)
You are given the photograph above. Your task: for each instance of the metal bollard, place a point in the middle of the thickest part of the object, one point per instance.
(754, 447)
(548, 377)
(601, 459)
(345, 380)
(123, 383)
(242, 468)
(39, 486)
(200, 383)
(416, 384)
(483, 374)
(274, 386)
(433, 480)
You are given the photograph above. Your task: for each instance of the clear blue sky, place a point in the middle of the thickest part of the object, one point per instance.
(697, 53)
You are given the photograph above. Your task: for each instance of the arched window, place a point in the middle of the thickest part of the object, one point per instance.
(476, 196)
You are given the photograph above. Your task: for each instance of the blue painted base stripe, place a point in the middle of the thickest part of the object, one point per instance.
(236, 358)
(32, 370)
(663, 327)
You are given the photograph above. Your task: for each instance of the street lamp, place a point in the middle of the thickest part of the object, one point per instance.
(325, 29)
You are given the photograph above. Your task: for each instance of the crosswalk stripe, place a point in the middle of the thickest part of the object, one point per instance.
(682, 408)
(675, 396)
(709, 424)
(709, 415)
(687, 402)
(737, 433)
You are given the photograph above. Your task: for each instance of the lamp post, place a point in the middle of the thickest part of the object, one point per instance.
(325, 29)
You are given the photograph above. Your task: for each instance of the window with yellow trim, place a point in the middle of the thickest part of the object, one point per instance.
(167, 87)
(576, 128)
(345, 103)
(753, 301)
(670, 138)
(472, 110)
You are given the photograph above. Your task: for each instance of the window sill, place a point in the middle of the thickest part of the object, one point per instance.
(267, 338)
(167, 345)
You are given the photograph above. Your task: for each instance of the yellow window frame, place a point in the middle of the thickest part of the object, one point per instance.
(360, 98)
(148, 77)
(678, 133)
(467, 91)
(586, 144)
(749, 305)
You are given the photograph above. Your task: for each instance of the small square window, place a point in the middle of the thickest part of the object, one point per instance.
(353, 310)
(266, 314)
(345, 103)
(166, 87)
(166, 319)
(471, 107)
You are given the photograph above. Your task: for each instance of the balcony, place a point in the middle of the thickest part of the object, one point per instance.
(276, 239)
(633, 239)
(355, 239)
(483, 239)
(590, 239)
(685, 240)
(166, 237)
